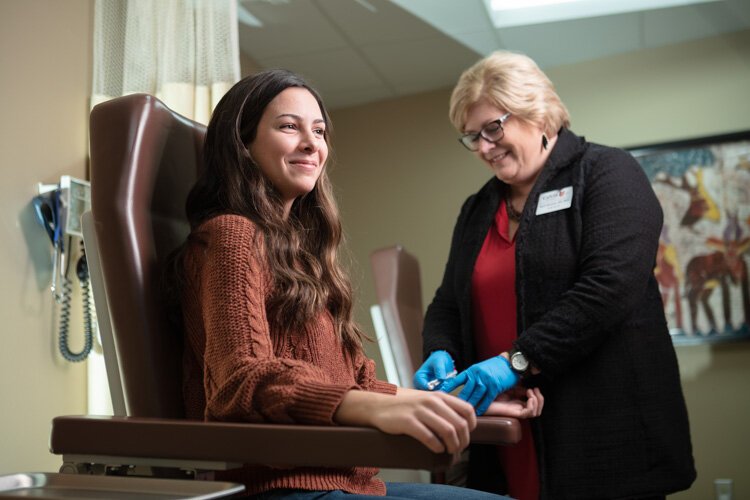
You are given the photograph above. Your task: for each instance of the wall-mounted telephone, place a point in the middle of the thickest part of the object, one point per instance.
(58, 208)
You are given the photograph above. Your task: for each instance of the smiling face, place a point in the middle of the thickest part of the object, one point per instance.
(289, 146)
(518, 157)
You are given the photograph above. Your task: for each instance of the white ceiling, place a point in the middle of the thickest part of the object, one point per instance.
(359, 51)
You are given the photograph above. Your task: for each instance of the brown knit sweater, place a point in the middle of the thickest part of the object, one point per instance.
(237, 369)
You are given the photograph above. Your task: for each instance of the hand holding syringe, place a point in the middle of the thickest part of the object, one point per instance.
(434, 371)
(437, 382)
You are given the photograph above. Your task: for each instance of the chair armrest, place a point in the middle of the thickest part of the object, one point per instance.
(268, 444)
(496, 430)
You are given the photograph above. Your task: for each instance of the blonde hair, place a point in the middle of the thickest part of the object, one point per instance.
(512, 82)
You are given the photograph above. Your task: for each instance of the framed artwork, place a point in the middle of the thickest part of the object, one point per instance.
(701, 265)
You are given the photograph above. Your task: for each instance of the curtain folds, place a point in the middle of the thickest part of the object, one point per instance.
(185, 52)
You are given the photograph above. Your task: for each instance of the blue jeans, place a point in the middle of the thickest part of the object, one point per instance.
(410, 491)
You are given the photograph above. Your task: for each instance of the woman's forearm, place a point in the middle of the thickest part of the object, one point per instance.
(440, 421)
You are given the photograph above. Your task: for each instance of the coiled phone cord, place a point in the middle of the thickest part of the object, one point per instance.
(83, 276)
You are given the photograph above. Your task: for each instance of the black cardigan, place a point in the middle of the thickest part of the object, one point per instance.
(590, 317)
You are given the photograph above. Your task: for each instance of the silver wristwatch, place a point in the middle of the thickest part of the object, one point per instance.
(518, 362)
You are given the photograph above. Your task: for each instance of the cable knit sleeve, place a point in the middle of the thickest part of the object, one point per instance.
(244, 379)
(367, 379)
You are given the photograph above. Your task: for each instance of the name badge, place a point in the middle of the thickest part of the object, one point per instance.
(552, 201)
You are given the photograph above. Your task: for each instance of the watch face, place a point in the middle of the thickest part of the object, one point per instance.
(519, 362)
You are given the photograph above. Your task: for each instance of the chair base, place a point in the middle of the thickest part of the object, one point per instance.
(59, 486)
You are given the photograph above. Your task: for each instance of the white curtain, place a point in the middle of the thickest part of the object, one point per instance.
(185, 52)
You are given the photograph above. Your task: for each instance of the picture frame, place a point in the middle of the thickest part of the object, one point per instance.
(703, 186)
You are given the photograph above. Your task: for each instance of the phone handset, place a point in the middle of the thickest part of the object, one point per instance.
(58, 209)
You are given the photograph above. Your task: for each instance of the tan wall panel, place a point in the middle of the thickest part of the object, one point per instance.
(45, 56)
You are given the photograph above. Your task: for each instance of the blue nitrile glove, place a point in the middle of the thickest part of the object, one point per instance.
(483, 382)
(437, 367)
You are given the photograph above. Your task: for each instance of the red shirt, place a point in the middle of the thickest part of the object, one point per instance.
(493, 294)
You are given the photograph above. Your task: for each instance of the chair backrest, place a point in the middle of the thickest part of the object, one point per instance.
(144, 160)
(399, 293)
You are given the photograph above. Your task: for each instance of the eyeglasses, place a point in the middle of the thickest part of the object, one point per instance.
(492, 132)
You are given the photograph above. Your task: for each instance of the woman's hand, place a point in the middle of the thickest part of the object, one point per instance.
(439, 421)
(517, 405)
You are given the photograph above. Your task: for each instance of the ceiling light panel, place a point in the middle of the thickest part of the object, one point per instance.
(507, 13)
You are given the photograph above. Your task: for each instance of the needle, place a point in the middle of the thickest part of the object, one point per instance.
(435, 383)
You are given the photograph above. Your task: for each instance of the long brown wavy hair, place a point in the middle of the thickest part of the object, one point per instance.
(301, 250)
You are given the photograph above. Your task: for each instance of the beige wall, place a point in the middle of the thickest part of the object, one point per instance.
(45, 50)
(401, 178)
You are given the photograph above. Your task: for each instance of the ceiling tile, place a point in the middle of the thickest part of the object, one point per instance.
(288, 28)
(420, 65)
(388, 23)
(334, 70)
(481, 42)
(568, 42)
(357, 51)
(450, 16)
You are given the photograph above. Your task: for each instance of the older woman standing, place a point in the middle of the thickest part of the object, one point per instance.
(550, 283)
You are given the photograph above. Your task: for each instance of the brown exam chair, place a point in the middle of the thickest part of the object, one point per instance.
(399, 292)
(144, 159)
